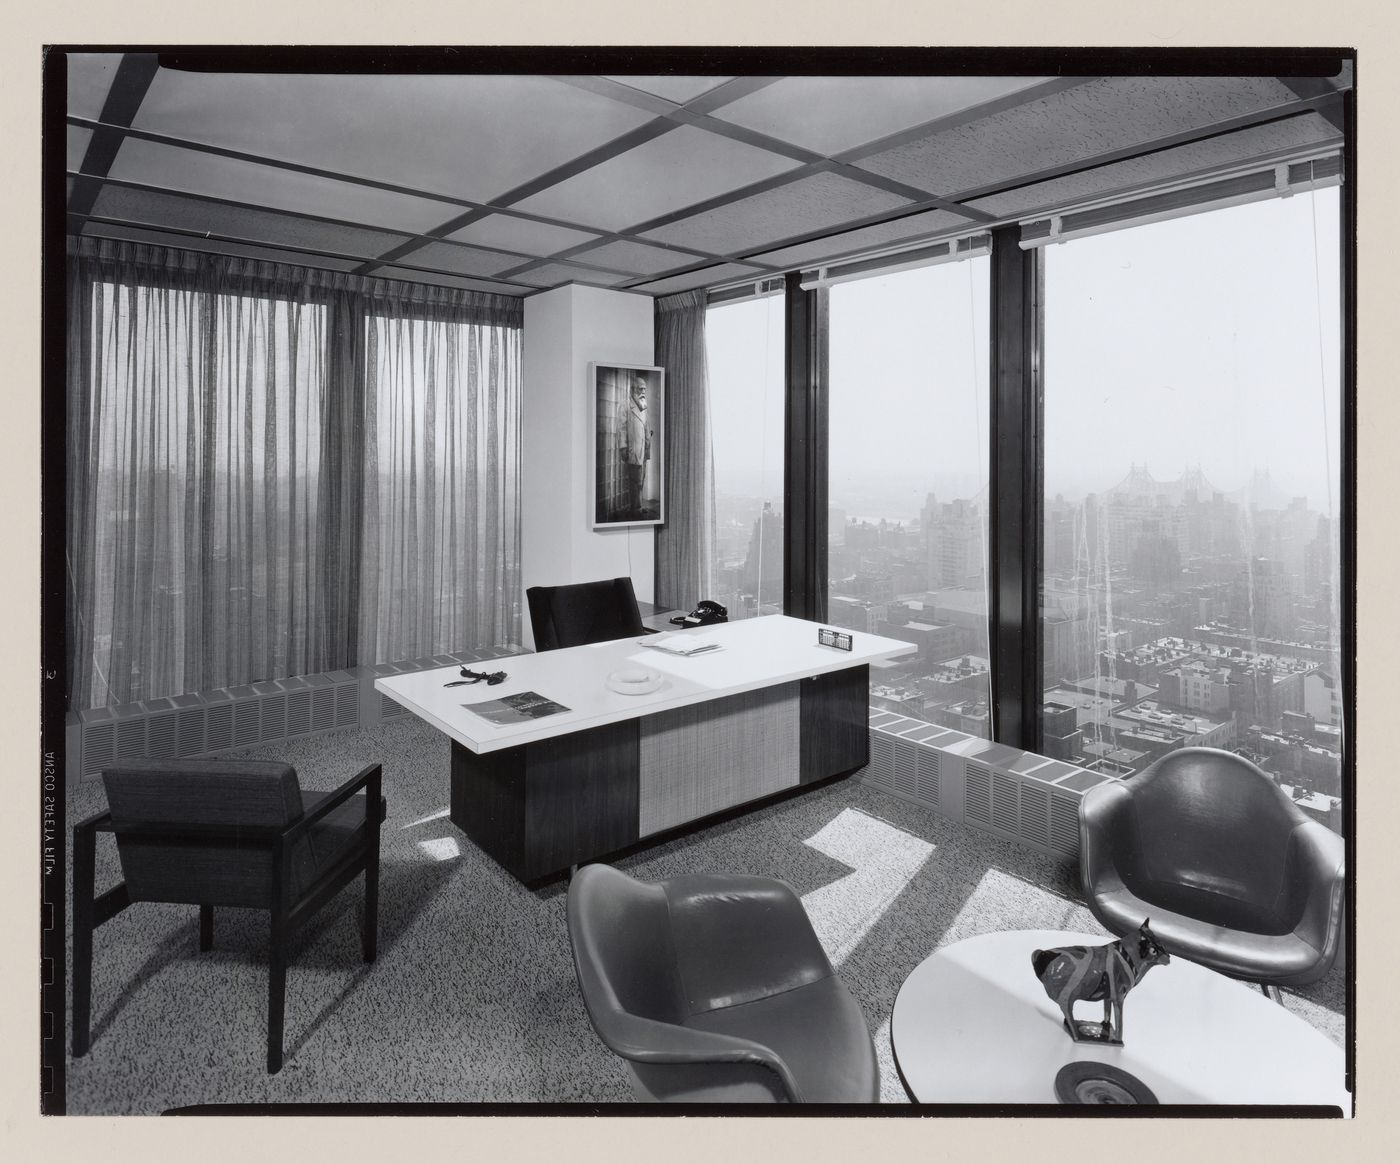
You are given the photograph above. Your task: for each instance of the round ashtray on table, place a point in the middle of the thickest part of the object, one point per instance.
(1089, 1082)
(632, 681)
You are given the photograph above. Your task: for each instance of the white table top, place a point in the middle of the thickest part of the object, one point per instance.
(756, 653)
(972, 1024)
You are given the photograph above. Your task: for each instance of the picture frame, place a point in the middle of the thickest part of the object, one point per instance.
(627, 455)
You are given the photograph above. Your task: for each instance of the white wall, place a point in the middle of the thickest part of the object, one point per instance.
(565, 330)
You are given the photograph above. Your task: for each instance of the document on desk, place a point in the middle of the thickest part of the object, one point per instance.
(511, 709)
(682, 644)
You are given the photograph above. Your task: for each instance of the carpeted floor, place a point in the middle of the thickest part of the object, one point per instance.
(473, 998)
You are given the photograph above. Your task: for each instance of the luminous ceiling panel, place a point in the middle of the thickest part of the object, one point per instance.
(819, 202)
(834, 114)
(930, 222)
(241, 250)
(677, 169)
(200, 173)
(143, 207)
(78, 139)
(449, 281)
(1173, 163)
(89, 79)
(472, 137)
(678, 89)
(552, 274)
(725, 272)
(1103, 115)
(520, 234)
(636, 257)
(464, 260)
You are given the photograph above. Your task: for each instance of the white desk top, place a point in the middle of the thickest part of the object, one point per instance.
(756, 653)
(972, 1024)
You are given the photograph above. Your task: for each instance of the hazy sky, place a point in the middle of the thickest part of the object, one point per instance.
(1196, 341)
(1193, 341)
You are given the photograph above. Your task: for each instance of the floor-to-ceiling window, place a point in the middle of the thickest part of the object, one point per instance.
(1192, 492)
(275, 472)
(744, 353)
(908, 477)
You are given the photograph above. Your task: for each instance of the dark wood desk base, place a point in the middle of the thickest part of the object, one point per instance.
(542, 807)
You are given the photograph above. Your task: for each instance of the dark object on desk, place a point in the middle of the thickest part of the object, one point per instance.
(715, 989)
(226, 833)
(841, 640)
(492, 680)
(706, 613)
(1234, 875)
(1104, 974)
(582, 613)
(1090, 1082)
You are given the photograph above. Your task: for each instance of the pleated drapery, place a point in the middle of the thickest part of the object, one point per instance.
(685, 545)
(442, 516)
(227, 502)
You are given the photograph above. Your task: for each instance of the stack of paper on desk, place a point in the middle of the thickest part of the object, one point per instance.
(681, 644)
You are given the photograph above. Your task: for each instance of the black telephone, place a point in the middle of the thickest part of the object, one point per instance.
(705, 614)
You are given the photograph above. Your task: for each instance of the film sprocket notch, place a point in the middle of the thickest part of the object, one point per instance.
(841, 640)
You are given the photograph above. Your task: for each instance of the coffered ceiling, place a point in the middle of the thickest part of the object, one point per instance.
(514, 183)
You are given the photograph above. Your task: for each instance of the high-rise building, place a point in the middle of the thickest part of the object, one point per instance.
(954, 542)
(762, 574)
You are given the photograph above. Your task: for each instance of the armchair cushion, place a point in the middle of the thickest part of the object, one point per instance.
(1232, 874)
(716, 988)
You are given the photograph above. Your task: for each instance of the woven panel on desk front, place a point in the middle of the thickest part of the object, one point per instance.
(703, 759)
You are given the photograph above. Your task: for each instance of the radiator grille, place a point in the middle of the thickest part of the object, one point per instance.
(274, 717)
(347, 704)
(99, 747)
(988, 786)
(977, 806)
(162, 738)
(906, 769)
(196, 725)
(323, 709)
(246, 722)
(298, 713)
(1064, 824)
(218, 728)
(1006, 803)
(1035, 814)
(191, 731)
(929, 788)
(131, 737)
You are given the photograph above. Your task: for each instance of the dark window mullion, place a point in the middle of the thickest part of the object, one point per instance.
(805, 453)
(1016, 488)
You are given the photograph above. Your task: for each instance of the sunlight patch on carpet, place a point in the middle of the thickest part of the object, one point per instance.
(442, 849)
(883, 860)
(422, 820)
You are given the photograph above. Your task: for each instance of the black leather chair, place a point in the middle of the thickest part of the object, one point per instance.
(226, 833)
(582, 613)
(1231, 872)
(715, 989)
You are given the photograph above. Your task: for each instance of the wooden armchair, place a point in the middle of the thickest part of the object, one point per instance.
(226, 833)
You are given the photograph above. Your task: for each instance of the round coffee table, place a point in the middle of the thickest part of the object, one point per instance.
(972, 1024)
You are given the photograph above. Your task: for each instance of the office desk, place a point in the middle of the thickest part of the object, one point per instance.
(769, 711)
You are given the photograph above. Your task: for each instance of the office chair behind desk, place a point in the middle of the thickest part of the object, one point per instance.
(584, 612)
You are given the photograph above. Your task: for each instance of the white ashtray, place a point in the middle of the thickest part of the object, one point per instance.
(633, 681)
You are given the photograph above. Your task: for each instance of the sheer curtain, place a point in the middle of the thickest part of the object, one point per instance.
(685, 545)
(441, 561)
(222, 439)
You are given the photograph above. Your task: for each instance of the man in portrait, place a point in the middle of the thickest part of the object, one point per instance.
(634, 435)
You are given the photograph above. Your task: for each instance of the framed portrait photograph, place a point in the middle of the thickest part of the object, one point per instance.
(629, 425)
